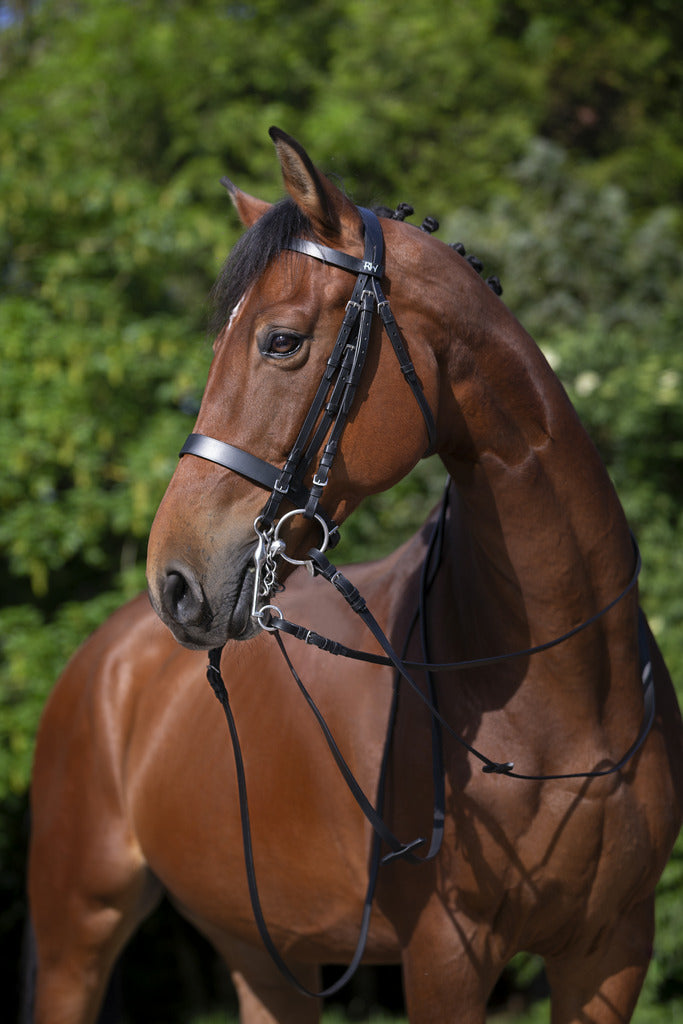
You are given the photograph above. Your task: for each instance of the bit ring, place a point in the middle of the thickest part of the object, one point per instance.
(297, 512)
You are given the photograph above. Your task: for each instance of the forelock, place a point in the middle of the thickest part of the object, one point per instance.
(253, 252)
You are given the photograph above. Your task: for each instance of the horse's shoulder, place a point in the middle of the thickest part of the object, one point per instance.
(100, 680)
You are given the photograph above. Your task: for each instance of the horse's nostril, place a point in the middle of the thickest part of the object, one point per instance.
(175, 589)
(183, 599)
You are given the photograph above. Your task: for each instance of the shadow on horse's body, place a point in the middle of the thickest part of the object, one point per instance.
(134, 790)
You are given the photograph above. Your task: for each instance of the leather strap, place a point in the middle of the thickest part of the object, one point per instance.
(355, 600)
(374, 814)
(309, 636)
(218, 686)
(336, 258)
(247, 465)
(406, 366)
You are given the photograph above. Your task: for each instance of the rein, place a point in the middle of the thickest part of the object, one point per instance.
(354, 599)
(322, 429)
(380, 832)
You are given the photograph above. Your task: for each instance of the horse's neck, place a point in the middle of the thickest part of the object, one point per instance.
(538, 538)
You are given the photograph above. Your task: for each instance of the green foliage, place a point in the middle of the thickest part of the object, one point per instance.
(86, 434)
(546, 136)
(416, 87)
(611, 81)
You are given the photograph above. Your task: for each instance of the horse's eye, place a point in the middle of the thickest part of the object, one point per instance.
(282, 343)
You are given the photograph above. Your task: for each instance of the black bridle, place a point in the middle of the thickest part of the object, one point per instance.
(325, 421)
(322, 429)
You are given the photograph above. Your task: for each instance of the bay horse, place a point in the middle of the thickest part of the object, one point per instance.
(136, 790)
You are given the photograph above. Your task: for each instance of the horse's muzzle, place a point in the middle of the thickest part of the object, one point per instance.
(199, 619)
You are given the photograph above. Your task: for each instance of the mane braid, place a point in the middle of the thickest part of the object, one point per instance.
(250, 256)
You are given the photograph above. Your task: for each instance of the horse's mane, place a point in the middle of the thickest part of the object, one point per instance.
(252, 253)
(270, 236)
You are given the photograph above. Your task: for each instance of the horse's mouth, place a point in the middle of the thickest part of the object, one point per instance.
(225, 614)
(238, 623)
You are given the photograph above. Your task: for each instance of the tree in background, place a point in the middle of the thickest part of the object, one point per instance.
(547, 137)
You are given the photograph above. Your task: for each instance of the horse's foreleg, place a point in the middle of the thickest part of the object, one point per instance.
(449, 969)
(89, 889)
(602, 986)
(79, 937)
(274, 1001)
(265, 996)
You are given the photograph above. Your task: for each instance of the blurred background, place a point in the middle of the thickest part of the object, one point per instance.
(545, 136)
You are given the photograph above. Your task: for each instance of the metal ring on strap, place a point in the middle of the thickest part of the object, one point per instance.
(270, 609)
(289, 515)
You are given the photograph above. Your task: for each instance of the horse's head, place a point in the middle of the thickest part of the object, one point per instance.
(284, 306)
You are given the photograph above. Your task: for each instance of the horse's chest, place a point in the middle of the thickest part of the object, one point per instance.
(527, 860)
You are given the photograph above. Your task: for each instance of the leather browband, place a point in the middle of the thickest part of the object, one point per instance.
(336, 258)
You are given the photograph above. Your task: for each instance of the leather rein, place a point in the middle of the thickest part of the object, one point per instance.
(322, 430)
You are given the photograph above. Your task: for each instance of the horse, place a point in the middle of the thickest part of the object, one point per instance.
(519, 593)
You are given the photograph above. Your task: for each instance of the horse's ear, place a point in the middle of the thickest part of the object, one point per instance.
(324, 204)
(248, 207)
